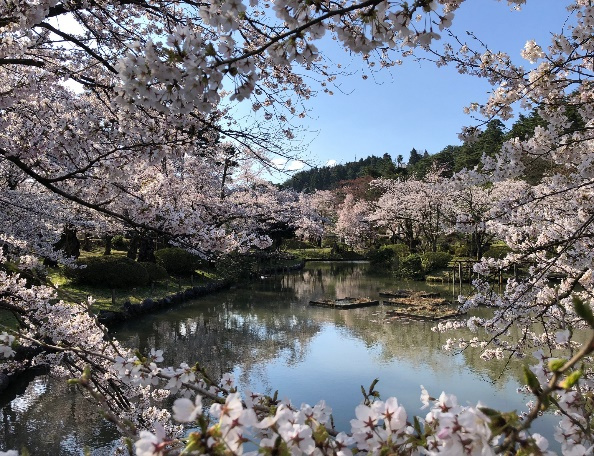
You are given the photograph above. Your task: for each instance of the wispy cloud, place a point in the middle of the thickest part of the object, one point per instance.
(331, 163)
(287, 165)
(279, 162)
(295, 165)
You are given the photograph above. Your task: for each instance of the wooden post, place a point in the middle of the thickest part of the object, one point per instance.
(454, 281)
(113, 301)
(152, 288)
(179, 284)
(192, 279)
(460, 275)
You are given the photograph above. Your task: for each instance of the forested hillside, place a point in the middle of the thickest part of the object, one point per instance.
(327, 177)
(452, 159)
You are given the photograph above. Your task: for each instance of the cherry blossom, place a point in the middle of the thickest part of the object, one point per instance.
(148, 143)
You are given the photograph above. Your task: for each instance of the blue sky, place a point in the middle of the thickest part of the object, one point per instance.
(415, 104)
(419, 105)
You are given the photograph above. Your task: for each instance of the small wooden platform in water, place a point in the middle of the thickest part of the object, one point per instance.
(411, 315)
(345, 303)
(421, 309)
(409, 294)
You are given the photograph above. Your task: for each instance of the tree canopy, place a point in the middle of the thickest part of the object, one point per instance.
(329, 177)
(149, 144)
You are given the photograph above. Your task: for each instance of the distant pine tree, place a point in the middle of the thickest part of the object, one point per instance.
(414, 157)
(327, 178)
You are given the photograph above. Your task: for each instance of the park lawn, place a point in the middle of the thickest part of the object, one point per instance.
(112, 299)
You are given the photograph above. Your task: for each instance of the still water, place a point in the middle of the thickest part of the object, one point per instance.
(265, 333)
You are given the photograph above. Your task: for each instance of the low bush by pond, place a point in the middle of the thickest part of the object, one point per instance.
(397, 257)
(327, 253)
(411, 267)
(435, 260)
(156, 272)
(176, 261)
(119, 242)
(498, 251)
(109, 272)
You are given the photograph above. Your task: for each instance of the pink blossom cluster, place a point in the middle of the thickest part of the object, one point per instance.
(148, 142)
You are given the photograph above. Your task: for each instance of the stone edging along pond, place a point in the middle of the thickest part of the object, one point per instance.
(129, 311)
(148, 305)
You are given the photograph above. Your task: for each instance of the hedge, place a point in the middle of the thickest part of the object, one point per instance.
(498, 251)
(109, 272)
(176, 261)
(411, 267)
(119, 242)
(156, 272)
(435, 260)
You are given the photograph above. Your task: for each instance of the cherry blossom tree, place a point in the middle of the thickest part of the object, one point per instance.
(318, 215)
(471, 209)
(353, 225)
(415, 209)
(147, 144)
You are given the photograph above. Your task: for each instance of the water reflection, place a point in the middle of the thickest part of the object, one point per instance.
(49, 418)
(271, 339)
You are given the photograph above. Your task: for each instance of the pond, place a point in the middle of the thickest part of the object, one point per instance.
(265, 333)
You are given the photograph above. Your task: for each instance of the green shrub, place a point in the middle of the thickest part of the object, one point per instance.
(380, 256)
(389, 255)
(236, 266)
(498, 251)
(435, 260)
(176, 261)
(156, 272)
(411, 267)
(119, 242)
(330, 241)
(348, 255)
(400, 250)
(109, 272)
(461, 250)
(381, 241)
(446, 247)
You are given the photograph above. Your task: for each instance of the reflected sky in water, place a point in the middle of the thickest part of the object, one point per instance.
(267, 335)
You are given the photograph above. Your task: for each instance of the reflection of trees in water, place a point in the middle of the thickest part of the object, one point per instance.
(412, 341)
(337, 280)
(327, 280)
(49, 419)
(415, 342)
(247, 327)
(243, 329)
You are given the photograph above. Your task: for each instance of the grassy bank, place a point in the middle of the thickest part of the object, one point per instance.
(112, 299)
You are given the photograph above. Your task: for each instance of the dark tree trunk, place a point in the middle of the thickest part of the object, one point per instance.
(69, 243)
(87, 244)
(133, 249)
(108, 238)
(146, 250)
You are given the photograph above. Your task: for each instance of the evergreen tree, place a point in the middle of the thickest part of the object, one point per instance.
(414, 157)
